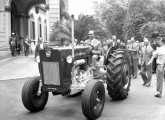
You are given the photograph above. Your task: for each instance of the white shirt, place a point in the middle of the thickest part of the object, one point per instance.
(38, 57)
(160, 54)
(92, 42)
(42, 46)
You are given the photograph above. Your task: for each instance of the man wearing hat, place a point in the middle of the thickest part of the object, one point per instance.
(97, 48)
(12, 43)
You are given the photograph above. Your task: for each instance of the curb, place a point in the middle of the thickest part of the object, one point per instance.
(16, 79)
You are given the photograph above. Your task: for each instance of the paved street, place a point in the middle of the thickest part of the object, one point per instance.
(140, 105)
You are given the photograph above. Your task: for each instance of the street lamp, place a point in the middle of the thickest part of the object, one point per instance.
(72, 28)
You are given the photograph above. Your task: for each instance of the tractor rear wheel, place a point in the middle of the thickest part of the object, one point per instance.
(31, 100)
(118, 74)
(93, 99)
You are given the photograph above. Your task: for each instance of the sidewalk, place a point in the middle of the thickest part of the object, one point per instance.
(18, 67)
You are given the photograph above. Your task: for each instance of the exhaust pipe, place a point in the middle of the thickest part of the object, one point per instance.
(79, 62)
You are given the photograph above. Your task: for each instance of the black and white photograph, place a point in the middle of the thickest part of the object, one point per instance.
(82, 59)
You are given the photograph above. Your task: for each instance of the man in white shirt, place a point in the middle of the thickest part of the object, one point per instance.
(160, 54)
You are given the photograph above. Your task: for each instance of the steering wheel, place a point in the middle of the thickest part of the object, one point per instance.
(91, 46)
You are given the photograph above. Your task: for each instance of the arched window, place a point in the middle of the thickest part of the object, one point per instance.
(45, 30)
(32, 27)
(39, 27)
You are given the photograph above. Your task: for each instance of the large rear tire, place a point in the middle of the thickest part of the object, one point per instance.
(93, 99)
(118, 74)
(30, 99)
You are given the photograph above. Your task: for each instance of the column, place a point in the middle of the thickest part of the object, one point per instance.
(54, 10)
(7, 27)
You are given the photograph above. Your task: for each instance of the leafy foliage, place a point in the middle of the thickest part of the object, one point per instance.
(112, 13)
(127, 18)
(150, 27)
(61, 31)
(84, 23)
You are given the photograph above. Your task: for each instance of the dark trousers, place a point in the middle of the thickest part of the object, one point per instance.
(146, 73)
(160, 78)
(12, 48)
(135, 63)
(26, 50)
(18, 48)
(154, 65)
(39, 67)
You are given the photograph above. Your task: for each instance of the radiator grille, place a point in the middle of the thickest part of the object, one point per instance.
(51, 73)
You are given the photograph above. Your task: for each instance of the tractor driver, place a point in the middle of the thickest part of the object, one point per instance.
(97, 48)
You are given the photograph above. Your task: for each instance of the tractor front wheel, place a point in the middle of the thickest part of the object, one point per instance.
(93, 99)
(31, 100)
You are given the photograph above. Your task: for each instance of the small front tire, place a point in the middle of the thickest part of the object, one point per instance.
(30, 99)
(93, 99)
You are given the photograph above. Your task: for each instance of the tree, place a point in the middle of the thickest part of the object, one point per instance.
(84, 23)
(139, 12)
(112, 13)
(127, 18)
(150, 27)
(61, 31)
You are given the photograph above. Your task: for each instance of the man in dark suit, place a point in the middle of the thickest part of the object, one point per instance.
(118, 44)
(113, 41)
(146, 70)
(134, 48)
(39, 47)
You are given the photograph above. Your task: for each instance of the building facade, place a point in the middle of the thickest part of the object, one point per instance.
(28, 17)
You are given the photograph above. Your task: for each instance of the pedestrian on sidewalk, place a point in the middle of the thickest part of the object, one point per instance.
(27, 44)
(12, 44)
(146, 70)
(160, 54)
(18, 43)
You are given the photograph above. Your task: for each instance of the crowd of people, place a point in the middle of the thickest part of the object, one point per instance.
(148, 56)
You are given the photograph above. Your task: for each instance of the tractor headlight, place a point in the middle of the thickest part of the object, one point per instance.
(69, 59)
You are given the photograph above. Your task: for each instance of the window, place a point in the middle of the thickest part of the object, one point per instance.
(39, 27)
(32, 27)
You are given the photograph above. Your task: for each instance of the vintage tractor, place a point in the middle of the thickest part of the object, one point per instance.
(65, 75)
(67, 71)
